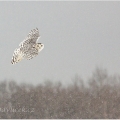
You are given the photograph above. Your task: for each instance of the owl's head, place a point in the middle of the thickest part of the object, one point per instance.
(40, 46)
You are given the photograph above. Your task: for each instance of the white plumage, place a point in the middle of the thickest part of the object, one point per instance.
(28, 48)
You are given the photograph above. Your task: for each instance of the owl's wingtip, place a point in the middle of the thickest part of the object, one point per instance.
(12, 62)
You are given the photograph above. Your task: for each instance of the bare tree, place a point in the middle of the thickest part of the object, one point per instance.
(100, 99)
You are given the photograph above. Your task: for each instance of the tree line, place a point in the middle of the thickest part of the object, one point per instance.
(99, 98)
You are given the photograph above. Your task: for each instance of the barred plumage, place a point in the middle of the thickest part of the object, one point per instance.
(28, 48)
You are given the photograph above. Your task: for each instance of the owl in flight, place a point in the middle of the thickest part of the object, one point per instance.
(28, 48)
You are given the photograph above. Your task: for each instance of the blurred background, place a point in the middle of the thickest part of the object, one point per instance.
(76, 75)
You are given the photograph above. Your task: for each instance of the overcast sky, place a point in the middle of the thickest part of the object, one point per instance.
(78, 36)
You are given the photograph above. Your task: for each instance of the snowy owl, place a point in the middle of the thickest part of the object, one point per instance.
(28, 48)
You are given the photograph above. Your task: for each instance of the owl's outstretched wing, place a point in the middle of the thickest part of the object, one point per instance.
(18, 55)
(31, 39)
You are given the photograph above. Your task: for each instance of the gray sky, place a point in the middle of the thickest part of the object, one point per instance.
(78, 36)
